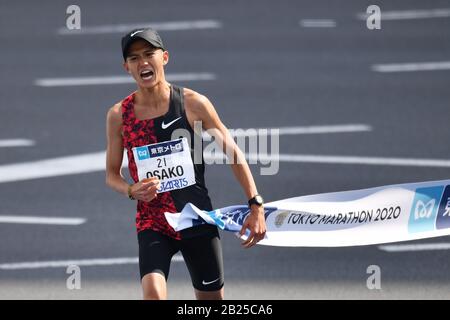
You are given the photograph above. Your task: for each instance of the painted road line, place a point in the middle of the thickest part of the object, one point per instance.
(409, 67)
(414, 247)
(410, 14)
(325, 159)
(84, 163)
(16, 143)
(42, 220)
(381, 161)
(317, 23)
(80, 263)
(160, 26)
(296, 130)
(107, 80)
(307, 158)
(306, 130)
(94, 162)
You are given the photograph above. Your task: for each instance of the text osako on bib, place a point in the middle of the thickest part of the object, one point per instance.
(169, 161)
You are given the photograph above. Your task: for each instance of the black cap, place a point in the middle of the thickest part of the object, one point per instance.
(147, 34)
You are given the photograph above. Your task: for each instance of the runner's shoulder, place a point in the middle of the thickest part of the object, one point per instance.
(196, 102)
(115, 113)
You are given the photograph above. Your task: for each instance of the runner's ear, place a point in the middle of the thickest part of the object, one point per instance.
(125, 66)
(165, 57)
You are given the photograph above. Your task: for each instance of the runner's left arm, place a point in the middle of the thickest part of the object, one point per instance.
(255, 222)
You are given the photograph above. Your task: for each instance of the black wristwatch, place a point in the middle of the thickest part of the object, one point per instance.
(258, 200)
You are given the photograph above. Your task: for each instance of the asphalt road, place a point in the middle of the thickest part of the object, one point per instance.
(269, 71)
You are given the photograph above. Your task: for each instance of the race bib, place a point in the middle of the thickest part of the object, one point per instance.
(169, 161)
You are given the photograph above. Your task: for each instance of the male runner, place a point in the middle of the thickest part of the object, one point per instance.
(143, 124)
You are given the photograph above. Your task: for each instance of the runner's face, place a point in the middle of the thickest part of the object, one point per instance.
(146, 63)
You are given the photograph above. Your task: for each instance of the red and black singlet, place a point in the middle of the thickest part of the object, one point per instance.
(136, 133)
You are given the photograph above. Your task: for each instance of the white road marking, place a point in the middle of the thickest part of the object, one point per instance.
(309, 129)
(307, 158)
(90, 162)
(80, 263)
(407, 162)
(317, 23)
(16, 143)
(414, 247)
(88, 81)
(160, 26)
(408, 67)
(94, 162)
(42, 220)
(410, 14)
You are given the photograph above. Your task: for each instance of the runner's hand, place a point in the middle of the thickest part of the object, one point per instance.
(145, 190)
(256, 223)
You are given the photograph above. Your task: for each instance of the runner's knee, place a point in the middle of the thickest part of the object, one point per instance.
(209, 295)
(154, 287)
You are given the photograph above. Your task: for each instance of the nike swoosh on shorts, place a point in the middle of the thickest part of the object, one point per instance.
(209, 282)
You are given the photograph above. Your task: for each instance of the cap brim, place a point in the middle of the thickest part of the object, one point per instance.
(136, 38)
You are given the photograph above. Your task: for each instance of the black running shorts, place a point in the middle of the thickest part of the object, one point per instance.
(202, 254)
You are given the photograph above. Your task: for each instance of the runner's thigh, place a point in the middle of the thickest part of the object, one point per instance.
(155, 252)
(203, 257)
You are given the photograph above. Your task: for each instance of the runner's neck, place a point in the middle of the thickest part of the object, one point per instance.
(153, 98)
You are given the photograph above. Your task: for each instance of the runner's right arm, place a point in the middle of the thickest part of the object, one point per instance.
(145, 191)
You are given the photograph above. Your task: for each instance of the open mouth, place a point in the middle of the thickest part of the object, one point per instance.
(146, 74)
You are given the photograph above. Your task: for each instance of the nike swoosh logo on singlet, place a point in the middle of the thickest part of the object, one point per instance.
(165, 126)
